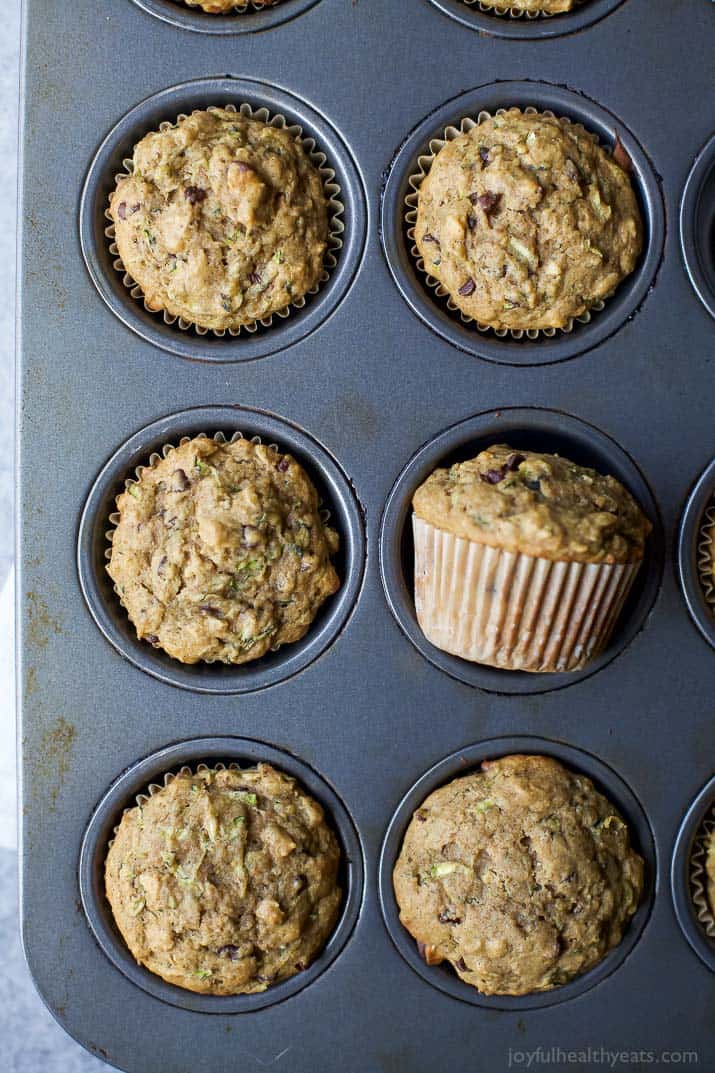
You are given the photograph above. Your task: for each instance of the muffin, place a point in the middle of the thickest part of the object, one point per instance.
(523, 560)
(225, 882)
(527, 222)
(223, 7)
(520, 875)
(223, 220)
(541, 7)
(220, 552)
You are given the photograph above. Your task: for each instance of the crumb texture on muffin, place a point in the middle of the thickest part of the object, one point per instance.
(535, 504)
(220, 552)
(223, 220)
(225, 882)
(520, 875)
(527, 222)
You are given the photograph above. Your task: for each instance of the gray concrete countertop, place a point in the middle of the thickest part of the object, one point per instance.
(31, 1041)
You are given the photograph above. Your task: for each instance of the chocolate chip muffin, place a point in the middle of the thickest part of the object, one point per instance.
(538, 504)
(524, 560)
(225, 882)
(220, 552)
(520, 875)
(527, 222)
(223, 220)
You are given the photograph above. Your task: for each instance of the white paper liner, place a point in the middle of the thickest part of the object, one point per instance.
(336, 227)
(510, 610)
(706, 555)
(239, 8)
(699, 876)
(154, 458)
(506, 11)
(424, 163)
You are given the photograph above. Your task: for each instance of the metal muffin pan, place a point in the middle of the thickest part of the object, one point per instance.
(250, 20)
(523, 429)
(335, 493)
(107, 163)
(626, 300)
(697, 225)
(462, 763)
(539, 28)
(210, 751)
(365, 393)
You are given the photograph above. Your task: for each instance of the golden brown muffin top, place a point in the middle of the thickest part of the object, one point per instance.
(225, 882)
(535, 504)
(521, 875)
(220, 552)
(527, 221)
(223, 220)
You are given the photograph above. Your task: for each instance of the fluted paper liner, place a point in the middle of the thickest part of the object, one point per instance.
(699, 877)
(706, 554)
(415, 180)
(239, 8)
(336, 227)
(154, 458)
(511, 610)
(507, 11)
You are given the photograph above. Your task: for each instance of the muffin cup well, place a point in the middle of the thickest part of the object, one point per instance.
(460, 763)
(699, 876)
(512, 610)
(464, 125)
(688, 877)
(510, 12)
(696, 542)
(336, 227)
(146, 448)
(247, 16)
(500, 19)
(147, 776)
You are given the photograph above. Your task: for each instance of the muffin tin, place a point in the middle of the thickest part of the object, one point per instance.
(369, 397)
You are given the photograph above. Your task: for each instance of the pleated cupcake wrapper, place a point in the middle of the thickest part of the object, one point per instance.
(506, 11)
(239, 8)
(511, 610)
(699, 877)
(154, 787)
(336, 227)
(154, 458)
(424, 163)
(706, 554)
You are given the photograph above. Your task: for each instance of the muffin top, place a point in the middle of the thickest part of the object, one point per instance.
(527, 221)
(225, 881)
(220, 552)
(223, 220)
(521, 875)
(535, 504)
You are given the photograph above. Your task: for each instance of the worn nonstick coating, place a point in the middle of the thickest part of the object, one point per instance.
(369, 385)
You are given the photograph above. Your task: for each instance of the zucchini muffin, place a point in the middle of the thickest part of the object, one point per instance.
(523, 560)
(527, 222)
(220, 552)
(520, 875)
(223, 220)
(225, 882)
(545, 7)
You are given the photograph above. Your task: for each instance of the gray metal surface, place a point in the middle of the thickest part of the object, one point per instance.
(371, 384)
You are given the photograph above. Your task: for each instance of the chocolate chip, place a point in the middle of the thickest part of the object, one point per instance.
(467, 288)
(462, 965)
(254, 277)
(534, 485)
(229, 951)
(207, 609)
(447, 917)
(300, 966)
(514, 461)
(430, 238)
(181, 481)
(152, 639)
(493, 476)
(485, 154)
(488, 201)
(282, 466)
(471, 222)
(194, 194)
(122, 210)
(421, 814)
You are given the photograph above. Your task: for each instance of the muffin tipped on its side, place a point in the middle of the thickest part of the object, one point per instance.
(220, 552)
(520, 875)
(225, 882)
